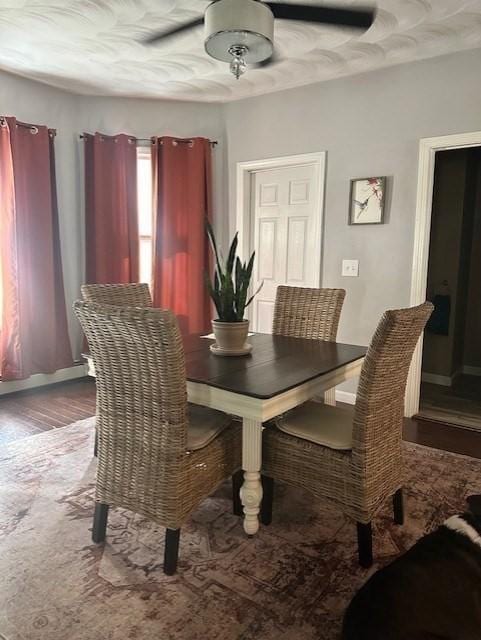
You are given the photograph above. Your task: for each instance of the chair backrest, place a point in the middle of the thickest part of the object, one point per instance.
(141, 403)
(135, 294)
(301, 312)
(379, 411)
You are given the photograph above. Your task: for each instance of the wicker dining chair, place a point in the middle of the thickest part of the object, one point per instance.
(156, 456)
(301, 312)
(352, 456)
(133, 294)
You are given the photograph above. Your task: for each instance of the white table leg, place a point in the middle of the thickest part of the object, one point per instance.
(330, 397)
(251, 490)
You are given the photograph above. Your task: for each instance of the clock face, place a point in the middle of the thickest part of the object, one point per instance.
(367, 201)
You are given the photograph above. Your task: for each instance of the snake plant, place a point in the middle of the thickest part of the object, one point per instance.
(230, 286)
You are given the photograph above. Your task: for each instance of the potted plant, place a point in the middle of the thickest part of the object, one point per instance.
(229, 291)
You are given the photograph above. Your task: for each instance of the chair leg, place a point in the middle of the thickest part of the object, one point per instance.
(398, 507)
(171, 553)
(267, 500)
(100, 522)
(96, 445)
(364, 541)
(237, 480)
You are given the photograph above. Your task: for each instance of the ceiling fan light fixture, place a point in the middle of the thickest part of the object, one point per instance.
(239, 32)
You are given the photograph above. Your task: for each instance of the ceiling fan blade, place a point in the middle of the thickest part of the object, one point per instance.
(174, 30)
(357, 18)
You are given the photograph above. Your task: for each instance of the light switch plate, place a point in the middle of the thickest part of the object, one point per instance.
(350, 268)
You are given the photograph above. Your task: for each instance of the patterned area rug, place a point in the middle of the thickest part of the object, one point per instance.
(290, 582)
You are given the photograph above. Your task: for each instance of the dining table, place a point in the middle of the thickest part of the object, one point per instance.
(279, 374)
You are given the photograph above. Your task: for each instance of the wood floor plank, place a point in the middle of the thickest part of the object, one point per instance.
(32, 412)
(443, 436)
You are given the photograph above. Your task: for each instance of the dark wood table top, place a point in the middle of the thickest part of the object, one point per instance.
(275, 365)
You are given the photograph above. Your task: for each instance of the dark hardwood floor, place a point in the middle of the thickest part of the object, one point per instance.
(31, 412)
(28, 413)
(443, 436)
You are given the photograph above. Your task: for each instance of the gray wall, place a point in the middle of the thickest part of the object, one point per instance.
(369, 125)
(70, 115)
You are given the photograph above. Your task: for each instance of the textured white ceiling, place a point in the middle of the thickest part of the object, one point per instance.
(91, 46)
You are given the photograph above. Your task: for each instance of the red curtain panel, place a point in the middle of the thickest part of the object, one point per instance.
(111, 224)
(33, 332)
(182, 186)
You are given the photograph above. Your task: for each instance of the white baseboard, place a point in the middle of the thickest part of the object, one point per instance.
(471, 371)
(434, 378)
(345, 396)
(447, 381)
(43, 379)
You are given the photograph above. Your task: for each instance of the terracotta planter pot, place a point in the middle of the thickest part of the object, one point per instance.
(231, 336)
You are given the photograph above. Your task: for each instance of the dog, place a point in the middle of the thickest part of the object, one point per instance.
(432, 592)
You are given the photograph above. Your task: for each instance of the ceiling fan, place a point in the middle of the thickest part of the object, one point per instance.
(241, 32)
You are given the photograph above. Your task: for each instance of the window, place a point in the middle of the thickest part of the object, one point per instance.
(144, 200)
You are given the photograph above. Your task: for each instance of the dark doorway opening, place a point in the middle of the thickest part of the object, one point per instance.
(451, 369)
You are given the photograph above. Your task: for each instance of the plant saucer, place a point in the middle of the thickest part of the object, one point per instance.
(216, 350)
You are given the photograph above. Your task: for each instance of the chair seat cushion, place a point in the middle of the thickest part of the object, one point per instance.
(204, 425)
(319, 423)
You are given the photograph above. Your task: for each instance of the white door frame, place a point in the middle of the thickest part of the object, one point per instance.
(243, 202)
(427, 154)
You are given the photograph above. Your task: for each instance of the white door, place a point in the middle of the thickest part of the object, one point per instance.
(285, 214)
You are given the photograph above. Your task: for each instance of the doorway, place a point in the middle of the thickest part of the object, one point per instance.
(451, 359)
(279, 215)
(428, 147)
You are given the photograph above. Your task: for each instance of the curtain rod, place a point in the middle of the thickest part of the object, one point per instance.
(32, 127)
(150, 140)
